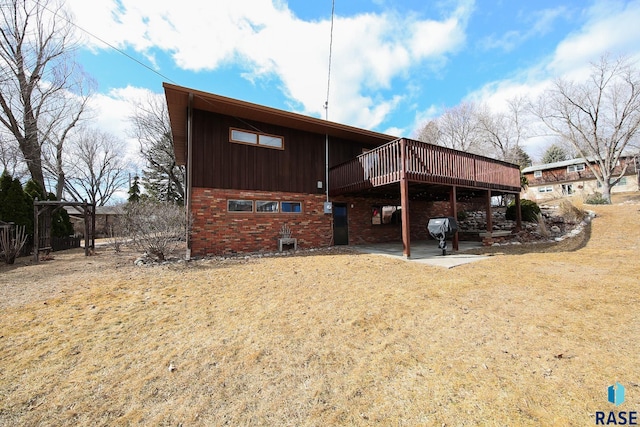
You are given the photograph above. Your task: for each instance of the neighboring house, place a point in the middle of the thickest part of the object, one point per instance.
(554, 180)
(253, 171)
(106, 218)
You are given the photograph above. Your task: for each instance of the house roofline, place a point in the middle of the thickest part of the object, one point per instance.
(177, 98)
(576, 161)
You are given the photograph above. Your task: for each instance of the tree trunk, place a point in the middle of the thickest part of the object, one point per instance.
(606, 191)
(32, 152)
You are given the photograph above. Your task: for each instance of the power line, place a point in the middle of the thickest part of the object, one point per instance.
(122, 52)
(326, 104)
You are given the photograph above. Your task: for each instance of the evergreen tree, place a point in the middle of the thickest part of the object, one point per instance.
(33, 190)
(159, 186)
(14, 206)
(554, 153)
(521, 158)
(5, 184)
(60, 222)
(134, 191)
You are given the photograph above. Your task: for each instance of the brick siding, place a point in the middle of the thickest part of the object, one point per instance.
(216, 231)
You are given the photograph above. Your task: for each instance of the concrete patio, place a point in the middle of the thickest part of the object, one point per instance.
(425, 252)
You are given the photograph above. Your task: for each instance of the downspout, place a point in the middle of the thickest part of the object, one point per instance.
(188, 177)
(326, 105)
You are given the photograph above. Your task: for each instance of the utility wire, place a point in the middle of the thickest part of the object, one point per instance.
(122, 52)
(326, 104)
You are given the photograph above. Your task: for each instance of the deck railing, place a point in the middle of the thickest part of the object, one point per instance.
(424, 163)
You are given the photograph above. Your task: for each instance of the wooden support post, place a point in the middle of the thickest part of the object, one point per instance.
(518, 213)
(93, 226)
(85, 208)
(36, 232)
(454, 213)
(489, 213)
(404, 201)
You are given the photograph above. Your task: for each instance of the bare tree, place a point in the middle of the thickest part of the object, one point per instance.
(504, 131)
(599, 117)
(429, 133)
(10, 157)
(98, 169)
(163, 178)
(460, 129)
(42, 92)
(456, 128)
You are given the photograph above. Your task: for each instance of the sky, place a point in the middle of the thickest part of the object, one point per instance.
(395, 64)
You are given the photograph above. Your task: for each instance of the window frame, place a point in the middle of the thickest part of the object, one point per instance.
(292, 203)
(266, 203)
(229, 210)
(623, 181)
(576, 168)
(537, 174)
(258, 137)
(545, 189)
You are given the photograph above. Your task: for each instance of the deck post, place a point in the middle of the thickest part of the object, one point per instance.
(404, 200)
(518, 213)
(36, 231)
(454, 213)
(87, 223)
(489, 213)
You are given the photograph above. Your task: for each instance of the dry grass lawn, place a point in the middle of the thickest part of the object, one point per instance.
(330, 339)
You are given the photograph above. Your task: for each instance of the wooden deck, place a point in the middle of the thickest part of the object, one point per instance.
(423, 163)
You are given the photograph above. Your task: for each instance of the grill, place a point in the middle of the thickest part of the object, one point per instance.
(441, 229)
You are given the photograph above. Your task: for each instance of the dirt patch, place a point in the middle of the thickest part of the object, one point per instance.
(531, 336)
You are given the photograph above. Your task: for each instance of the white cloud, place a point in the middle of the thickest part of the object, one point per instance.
(600, 34)
(110, 113)
(370, 50)
(611, 26)
(538, 24)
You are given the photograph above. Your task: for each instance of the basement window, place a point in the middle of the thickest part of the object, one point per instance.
(266, 206)
(291, 207)
(241, 136)
(240, 205)
(390, 214)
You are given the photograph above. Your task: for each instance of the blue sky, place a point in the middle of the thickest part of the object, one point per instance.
(396, 63)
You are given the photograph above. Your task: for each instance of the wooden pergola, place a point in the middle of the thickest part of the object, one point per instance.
(48, 208)
(406, 162)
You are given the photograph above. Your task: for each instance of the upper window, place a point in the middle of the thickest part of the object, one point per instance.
(623, 181)
(575, 168)
(537, 174)
(241, 136)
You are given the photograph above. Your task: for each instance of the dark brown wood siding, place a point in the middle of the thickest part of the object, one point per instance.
(218, 163)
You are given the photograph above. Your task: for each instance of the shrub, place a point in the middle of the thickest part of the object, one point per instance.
(595, 199)
(528, 208)
(155, 227)
(570, 212)
(11, 243)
